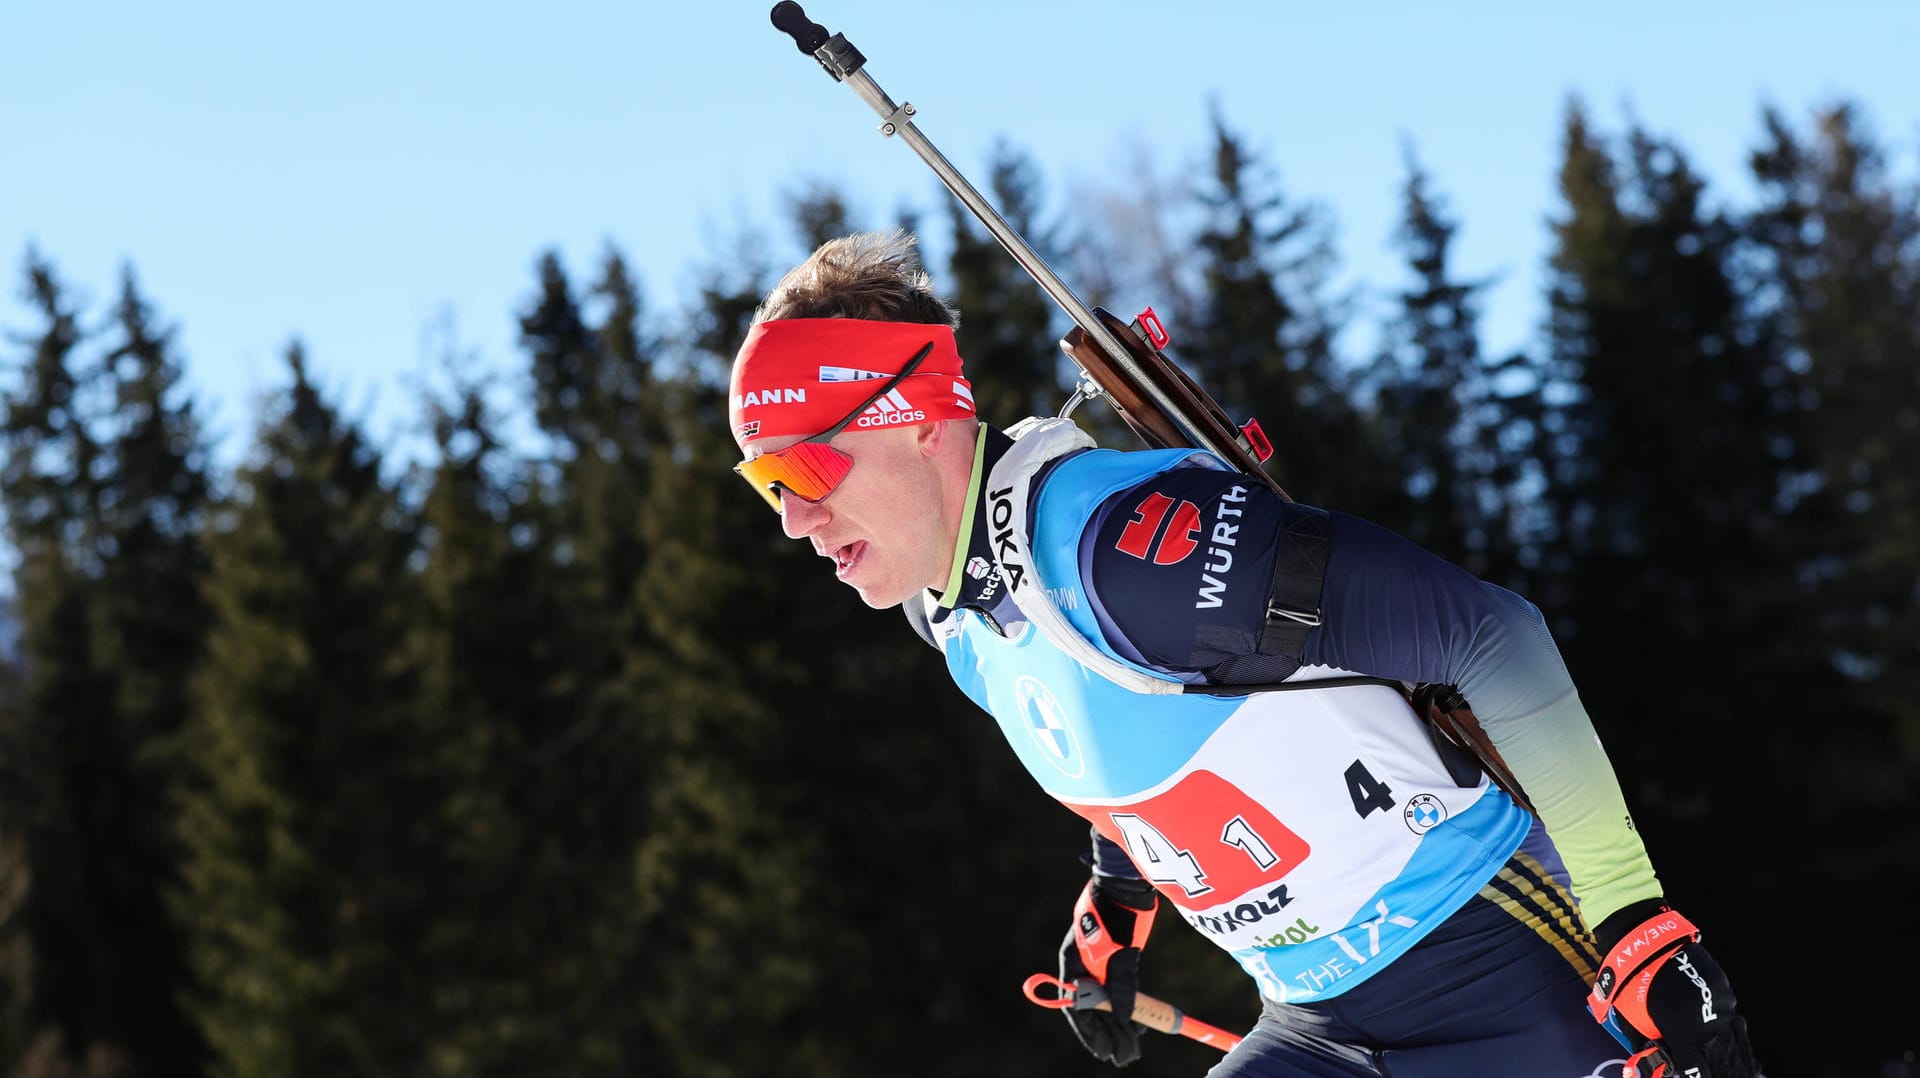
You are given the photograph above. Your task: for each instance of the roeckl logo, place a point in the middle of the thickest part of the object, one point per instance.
(772, 396)
(890, 410)
(1706, 994)
(1000, 524)
(1175, 543)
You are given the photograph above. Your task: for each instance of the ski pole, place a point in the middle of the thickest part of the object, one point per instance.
(1087, 994)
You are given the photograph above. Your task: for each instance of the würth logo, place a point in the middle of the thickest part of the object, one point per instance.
(890, 410)
(1175, 542)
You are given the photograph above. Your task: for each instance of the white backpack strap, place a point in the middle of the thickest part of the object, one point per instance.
(1009, 498)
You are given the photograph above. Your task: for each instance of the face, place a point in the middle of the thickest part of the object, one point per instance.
(887, 526)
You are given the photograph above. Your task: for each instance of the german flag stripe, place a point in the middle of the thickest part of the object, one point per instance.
(1530, 894)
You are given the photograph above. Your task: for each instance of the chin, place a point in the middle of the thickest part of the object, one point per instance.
(881, 597)
(880, 601)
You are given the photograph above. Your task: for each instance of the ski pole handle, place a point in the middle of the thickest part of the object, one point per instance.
(1087, 995)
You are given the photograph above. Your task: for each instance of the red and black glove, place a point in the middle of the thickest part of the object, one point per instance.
(1110, 925)
(1670, 996)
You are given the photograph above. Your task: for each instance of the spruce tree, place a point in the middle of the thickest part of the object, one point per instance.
(47, 485)
(1009, 328)
(1843, 240)
(1838, 244)
(1670, 432)
(87, 749)
(820, 212)
(314, 825)
(1263, 340)
(1677, 435)
(150, 625)
(515, 955)
(1441, 410)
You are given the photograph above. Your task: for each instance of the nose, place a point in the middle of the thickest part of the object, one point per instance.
(798, 516)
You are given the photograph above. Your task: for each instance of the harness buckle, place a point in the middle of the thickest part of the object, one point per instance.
(1309, 618)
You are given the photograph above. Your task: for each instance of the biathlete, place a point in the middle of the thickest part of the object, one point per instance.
(1214, 677)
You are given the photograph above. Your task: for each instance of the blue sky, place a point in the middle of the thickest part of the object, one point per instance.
(366, 175)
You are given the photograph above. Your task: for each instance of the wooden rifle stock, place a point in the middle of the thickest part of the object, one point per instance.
(1135, 404)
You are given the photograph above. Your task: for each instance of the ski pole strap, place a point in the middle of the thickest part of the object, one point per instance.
(1652, 1055)
(1629, 967)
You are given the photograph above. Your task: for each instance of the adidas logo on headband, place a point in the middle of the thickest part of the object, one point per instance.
(890, 410)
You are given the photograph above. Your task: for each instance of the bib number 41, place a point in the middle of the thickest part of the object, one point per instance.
(1202, 835)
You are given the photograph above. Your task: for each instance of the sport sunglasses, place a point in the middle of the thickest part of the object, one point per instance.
(812, 469)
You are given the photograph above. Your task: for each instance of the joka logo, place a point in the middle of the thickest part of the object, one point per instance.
(890, 410)
(1000, 521)
(1046, 723)
(773, 396)
(1175, 543)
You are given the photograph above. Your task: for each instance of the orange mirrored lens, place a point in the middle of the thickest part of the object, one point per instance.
(809, 470)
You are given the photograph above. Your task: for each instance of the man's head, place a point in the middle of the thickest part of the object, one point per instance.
(849, 403)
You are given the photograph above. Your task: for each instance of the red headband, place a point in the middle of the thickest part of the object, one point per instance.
(803, 375)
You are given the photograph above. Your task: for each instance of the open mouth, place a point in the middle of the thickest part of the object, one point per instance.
(845, 558)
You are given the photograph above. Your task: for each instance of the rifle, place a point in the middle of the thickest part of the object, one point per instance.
(1123, 362)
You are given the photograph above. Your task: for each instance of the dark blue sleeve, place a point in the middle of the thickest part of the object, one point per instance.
(1180, 567)
(1110, 860)
(1392, 609)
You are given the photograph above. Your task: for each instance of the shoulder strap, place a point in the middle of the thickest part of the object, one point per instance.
(1299, 571)
(1037, 443)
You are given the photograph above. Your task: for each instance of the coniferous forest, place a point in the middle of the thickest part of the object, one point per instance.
(547, 754)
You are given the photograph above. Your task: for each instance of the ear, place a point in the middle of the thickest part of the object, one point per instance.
(929, 437)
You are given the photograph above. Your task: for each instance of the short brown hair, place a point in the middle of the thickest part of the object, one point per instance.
(872, 275)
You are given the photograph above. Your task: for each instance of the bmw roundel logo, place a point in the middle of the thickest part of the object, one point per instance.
(1046, 723)
(1423, 813)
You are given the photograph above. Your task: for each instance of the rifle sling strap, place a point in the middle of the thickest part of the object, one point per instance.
(1299, 569)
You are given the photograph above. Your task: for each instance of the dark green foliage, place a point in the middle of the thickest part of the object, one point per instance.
(1838, 253)
(1696, 544)
(1841, 244)
(525, 958)
(1263, 340)
(1457, 437)
(1670, 445)
(820, 213)
(46, 486)
(1008, 326)
(109, 581)
(315, 827)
